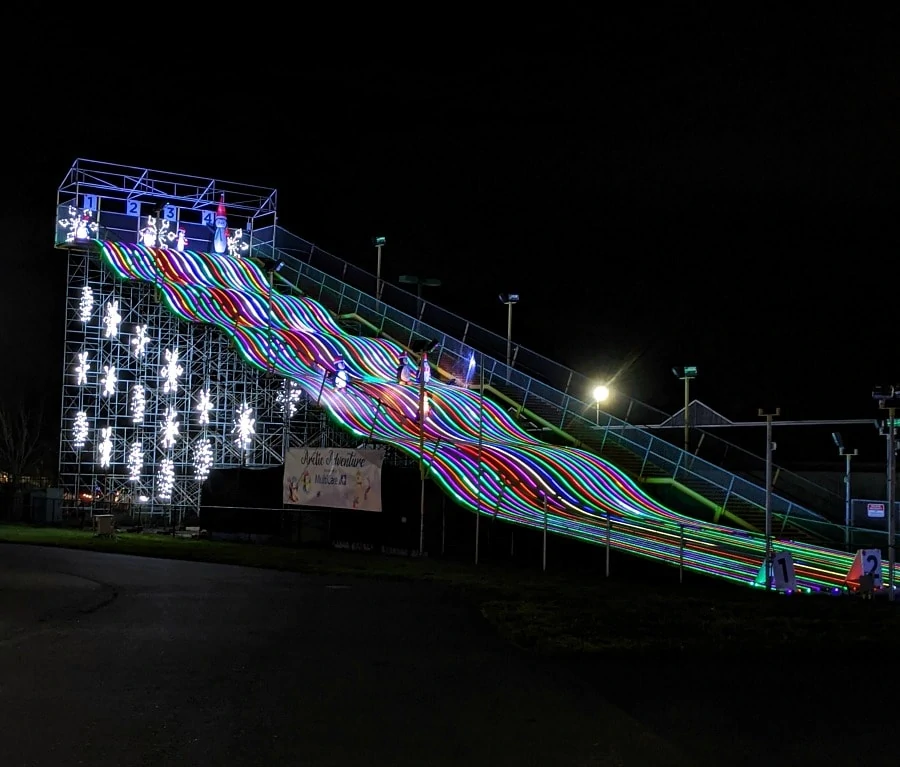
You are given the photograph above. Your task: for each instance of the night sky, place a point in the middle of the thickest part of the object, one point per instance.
(659, 190)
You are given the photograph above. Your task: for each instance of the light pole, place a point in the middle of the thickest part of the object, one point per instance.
(686, 374)
(510, 299)
(379, 244)
(422, 347)
(420, 282)
(601, 394)
(839, 442)
(889, 399)
(770, 447)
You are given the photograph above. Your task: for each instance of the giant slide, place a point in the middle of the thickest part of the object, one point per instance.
(471, 447)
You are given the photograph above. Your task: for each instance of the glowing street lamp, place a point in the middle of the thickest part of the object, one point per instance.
(601, 394)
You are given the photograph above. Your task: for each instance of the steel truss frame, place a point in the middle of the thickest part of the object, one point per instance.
(207, 361)
(123, 183)
(205, 355)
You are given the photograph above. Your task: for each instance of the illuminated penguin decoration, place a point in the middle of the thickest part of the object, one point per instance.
(403, 370)
(341, 376)
(220, 238)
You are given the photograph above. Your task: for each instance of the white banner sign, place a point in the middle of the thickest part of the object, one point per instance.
(333, 477)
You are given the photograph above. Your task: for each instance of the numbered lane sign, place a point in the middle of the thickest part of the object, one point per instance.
(170, 213)
(783, 571)
(90, 202)
(209, 218)
(871, 565)
(132, 208)
(865, 572)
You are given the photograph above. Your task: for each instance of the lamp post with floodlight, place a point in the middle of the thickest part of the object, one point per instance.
(379, 244)
(686, 374)
(420, 282)
(509, 299)
(601, 394)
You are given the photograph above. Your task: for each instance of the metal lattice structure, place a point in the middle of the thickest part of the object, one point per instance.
(135, 435)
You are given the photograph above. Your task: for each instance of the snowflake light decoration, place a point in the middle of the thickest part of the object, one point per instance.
(135, 461)
(170, 428)
(112, 319)
(236, 244)
(86, 303)
(204, 406)
(156, 233)
(140, 340)
(109, 381)
(288, 397)
(165, 480)
(104, 448)
(82, 368)
(79, 226)
(244, 427)
(138, 403)
(171, 371)
(203, 458)
(80, 430)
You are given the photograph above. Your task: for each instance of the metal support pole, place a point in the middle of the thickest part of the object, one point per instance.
(681, 554)
(770, 447)
(892, 501)
(480, 461)
(608, 531)
(322, 387)
(375, 420)
(509, 336)
(687, 417)
(378, 274)
(848, 522)
(270, 365)
(544, 564)
(422, 461)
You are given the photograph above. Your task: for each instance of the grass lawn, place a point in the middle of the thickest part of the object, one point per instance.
(563, 613)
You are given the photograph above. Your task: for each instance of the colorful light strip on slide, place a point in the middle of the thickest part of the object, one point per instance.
(298, 338)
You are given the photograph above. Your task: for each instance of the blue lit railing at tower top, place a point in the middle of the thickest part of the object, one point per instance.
(544, 392)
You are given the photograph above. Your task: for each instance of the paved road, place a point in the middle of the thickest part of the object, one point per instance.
(119, 660)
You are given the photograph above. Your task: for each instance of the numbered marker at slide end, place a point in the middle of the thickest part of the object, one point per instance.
(132, 208)
(208, 218)
(90, 202)
(783, 571)
(170, 213)
(867, 563)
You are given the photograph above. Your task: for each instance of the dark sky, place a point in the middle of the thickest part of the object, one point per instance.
(660, 189)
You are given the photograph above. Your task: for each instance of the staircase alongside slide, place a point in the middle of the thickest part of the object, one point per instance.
(727, 497)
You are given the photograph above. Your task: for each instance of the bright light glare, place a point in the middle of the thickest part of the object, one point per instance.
(601, 393)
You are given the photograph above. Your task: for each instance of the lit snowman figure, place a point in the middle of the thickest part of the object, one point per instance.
(148, 233)
(181, 240)
(82, 228)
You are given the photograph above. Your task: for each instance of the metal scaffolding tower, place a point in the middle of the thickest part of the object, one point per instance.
(150, 403)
